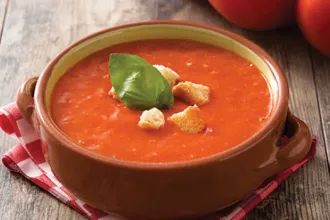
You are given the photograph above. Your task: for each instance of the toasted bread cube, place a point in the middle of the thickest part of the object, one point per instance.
(113, 94)
(152, 119)
(192, 93)
(170, 75)
(189, 120)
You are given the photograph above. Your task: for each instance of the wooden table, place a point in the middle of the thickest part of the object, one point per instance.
(33, 32)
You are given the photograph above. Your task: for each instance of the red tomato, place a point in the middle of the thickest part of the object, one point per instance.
(257, 14)
(313, 17)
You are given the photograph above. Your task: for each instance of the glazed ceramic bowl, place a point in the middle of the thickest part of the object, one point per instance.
(166, 190)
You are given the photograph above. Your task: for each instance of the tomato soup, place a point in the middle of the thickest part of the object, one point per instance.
(240, 103)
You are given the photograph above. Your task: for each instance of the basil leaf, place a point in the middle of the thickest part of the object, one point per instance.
(138, 84)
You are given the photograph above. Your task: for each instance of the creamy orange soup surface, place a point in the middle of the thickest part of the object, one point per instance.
(240, 103)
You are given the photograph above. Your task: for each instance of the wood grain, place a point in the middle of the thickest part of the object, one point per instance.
(35, 31)
(321, 69)
(3, 13)
(31, 36)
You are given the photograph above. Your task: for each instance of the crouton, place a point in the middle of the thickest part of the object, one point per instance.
(189, 120)
(170, 75)
(113, 94)
(152, 119)
(192, 93)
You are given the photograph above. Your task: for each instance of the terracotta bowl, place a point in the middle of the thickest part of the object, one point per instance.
(166, 190)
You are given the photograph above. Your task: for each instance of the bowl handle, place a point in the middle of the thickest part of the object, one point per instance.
(291, 149)
(25, 100)
(298, 144)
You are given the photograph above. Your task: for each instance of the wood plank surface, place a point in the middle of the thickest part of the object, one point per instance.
(3, 12)
(35, 31)
(321, 69)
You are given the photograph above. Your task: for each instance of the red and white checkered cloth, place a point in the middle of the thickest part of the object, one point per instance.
(27, 159)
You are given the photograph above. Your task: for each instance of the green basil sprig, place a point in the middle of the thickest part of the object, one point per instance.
(138, 84)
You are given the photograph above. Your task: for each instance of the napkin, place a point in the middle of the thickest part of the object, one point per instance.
(27, 159)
